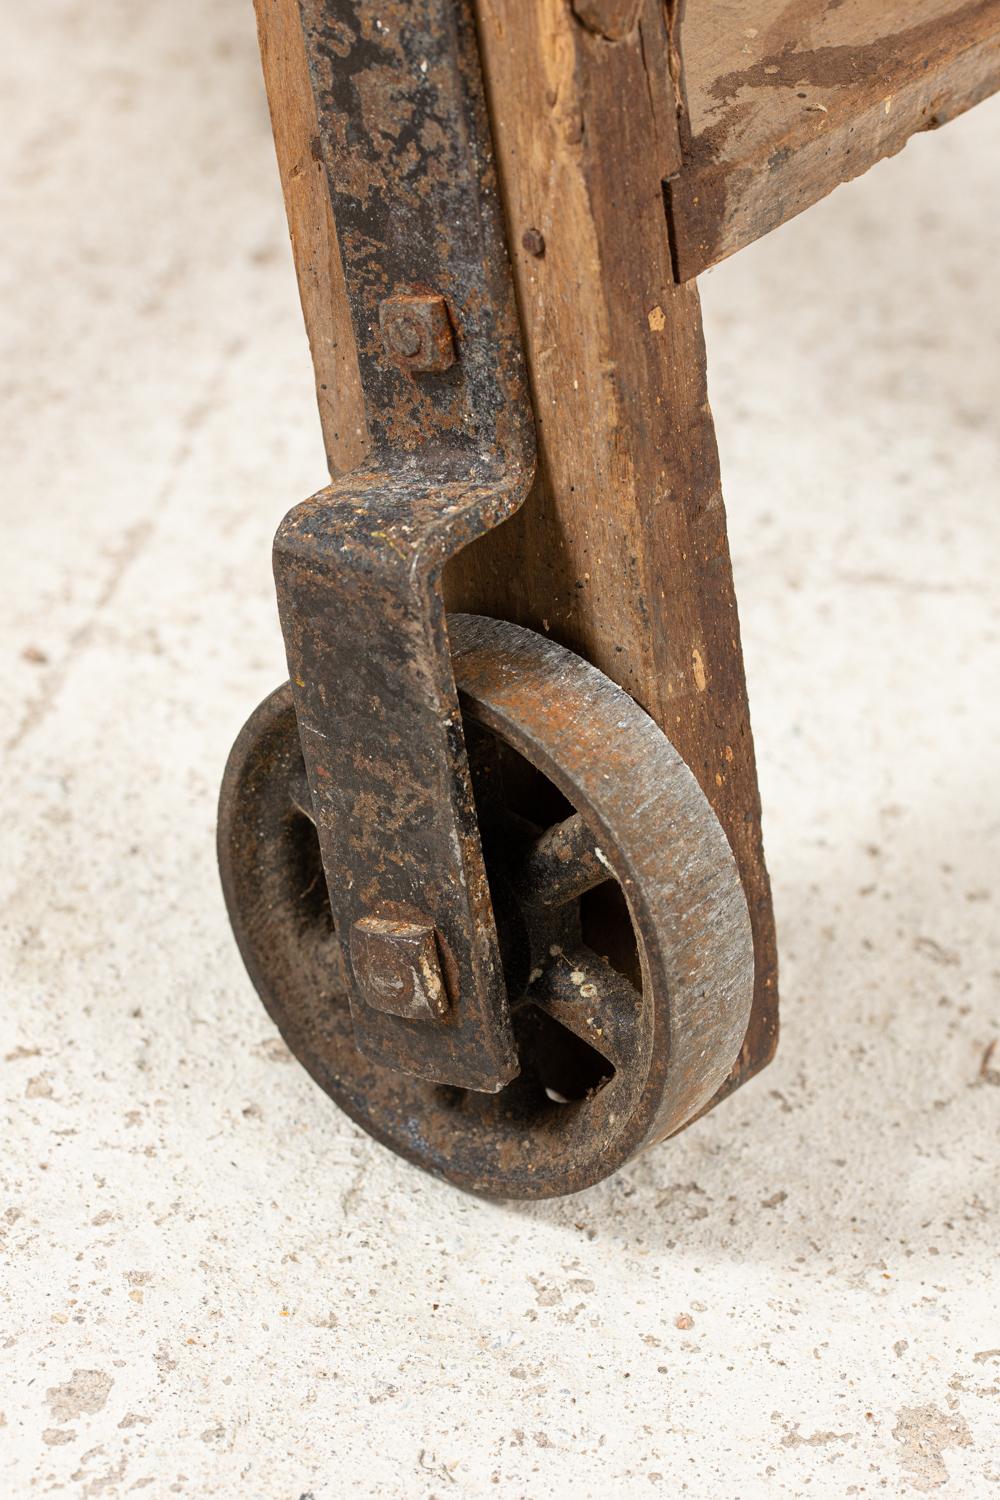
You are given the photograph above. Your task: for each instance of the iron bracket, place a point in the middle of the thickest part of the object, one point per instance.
(404, 140)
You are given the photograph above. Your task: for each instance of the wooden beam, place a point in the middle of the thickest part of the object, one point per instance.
(786, 101)
(318, 267)
(621, 551)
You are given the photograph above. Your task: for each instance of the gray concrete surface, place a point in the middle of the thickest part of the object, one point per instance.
(213, 1284)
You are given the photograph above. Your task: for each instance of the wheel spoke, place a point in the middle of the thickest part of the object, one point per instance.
(299, 794)
(560, 865)
(592, 1000)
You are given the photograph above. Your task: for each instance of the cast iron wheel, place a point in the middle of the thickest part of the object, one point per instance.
(623, 924)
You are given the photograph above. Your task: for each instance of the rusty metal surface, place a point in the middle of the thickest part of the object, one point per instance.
(562, 865)
(619, 1043)
(417, 333)
(405, 143)
(398, 966)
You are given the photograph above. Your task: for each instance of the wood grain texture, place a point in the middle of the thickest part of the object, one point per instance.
(787, 98)
(621, 551)
(314, 236)
(612, 19)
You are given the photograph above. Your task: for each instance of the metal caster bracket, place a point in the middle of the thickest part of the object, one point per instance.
(514, 929)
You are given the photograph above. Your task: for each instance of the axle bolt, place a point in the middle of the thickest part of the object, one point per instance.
(397, 967)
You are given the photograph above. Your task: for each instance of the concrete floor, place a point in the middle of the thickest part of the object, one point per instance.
(214, 1285)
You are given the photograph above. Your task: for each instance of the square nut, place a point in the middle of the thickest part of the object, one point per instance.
(416, 331)
(397, 967)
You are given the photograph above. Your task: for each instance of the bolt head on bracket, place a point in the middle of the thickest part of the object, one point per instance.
(416, 331)
(397, 967)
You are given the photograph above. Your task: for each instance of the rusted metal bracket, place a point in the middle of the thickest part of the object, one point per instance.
(405, 144)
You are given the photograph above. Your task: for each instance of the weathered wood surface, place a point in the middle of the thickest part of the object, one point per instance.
(788, 98)
(313, 233)
(621, 551)
(613, 19)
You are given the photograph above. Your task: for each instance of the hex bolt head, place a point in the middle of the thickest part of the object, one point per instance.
(416, 331)
(533, 241)
(403, 336)
(398, 969)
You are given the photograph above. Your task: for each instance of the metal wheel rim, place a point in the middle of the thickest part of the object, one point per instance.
(654, 828)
